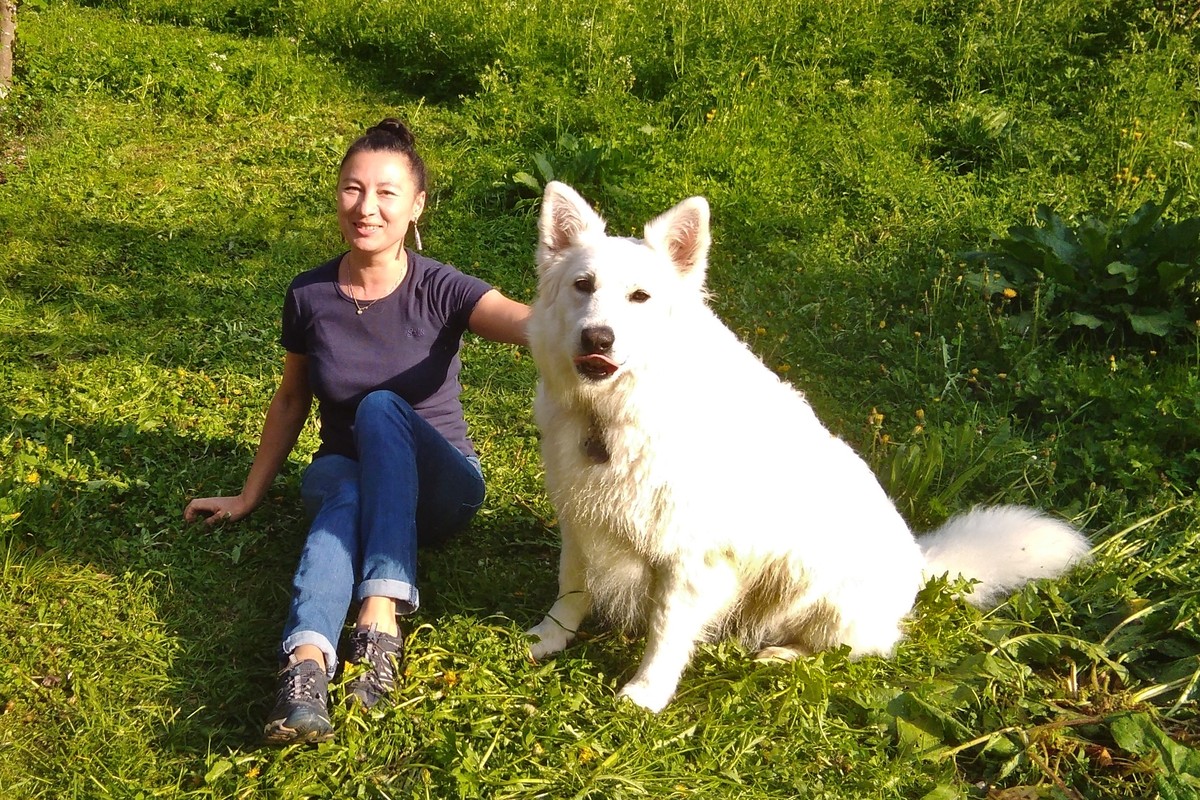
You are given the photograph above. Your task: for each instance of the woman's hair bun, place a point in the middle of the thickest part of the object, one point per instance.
(390, 135)
(394, 127)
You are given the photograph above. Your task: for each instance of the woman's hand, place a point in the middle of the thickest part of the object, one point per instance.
(285, 417)
(217, 509)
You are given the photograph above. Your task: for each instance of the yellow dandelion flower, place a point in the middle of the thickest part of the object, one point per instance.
(33, 477)
(920, 413)
(760, 331)
(1009, 292)
(784, 367)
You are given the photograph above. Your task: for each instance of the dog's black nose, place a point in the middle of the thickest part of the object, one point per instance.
(597, 339)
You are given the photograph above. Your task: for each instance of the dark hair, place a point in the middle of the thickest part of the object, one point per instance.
(390, 136)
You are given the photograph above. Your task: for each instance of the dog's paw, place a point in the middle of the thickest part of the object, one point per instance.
(652, 698)
(551, 638)
(784, 653)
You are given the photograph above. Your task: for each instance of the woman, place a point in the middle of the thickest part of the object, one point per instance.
(374, 335)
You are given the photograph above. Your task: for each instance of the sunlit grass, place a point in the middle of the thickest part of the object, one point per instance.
(167, 168)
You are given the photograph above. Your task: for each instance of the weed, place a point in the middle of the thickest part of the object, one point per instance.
(1139, 276)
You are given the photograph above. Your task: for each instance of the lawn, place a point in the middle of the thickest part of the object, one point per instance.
(916, 210)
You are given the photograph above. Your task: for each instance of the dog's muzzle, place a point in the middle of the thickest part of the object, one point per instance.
(594, 363)
(595, 367)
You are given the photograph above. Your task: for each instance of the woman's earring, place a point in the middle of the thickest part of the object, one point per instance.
(416, 235)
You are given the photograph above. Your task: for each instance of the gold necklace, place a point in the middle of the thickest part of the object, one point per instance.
(359, 309)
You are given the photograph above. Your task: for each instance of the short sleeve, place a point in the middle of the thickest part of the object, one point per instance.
(292, 334)
(454, 293)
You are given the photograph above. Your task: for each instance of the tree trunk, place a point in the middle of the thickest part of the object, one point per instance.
(8, 32)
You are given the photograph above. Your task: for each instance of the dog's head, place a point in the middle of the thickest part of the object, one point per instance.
(605, 304)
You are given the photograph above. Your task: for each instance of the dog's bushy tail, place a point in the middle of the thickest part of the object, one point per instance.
(1003, 548)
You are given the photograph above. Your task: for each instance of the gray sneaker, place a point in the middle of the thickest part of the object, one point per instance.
(382, 653)
(301, 712)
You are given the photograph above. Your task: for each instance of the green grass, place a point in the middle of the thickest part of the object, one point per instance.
(167, 168)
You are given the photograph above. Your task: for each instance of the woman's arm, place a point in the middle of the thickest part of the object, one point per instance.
(285, 419)
(500, 319)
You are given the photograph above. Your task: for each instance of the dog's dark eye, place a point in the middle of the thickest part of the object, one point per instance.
(585, 284)
(638, 296)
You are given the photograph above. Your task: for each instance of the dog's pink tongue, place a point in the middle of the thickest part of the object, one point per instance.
(596, 364)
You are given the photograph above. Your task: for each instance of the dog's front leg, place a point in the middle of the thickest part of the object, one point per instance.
(562, 621)
(691, 597)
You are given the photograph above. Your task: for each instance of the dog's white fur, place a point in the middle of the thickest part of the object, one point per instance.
(698, 495)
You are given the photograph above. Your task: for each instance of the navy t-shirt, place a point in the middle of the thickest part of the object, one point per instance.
(406, 342)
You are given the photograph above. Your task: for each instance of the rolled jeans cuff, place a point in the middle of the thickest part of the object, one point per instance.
(405, 594)
(316, 640)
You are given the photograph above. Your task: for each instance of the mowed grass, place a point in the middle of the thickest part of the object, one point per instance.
(167, 167)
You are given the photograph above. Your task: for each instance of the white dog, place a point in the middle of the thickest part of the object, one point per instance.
(698, 495)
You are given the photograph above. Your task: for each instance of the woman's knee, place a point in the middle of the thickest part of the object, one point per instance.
(382, 406)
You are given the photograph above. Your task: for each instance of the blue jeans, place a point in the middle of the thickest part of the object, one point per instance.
(408, 485)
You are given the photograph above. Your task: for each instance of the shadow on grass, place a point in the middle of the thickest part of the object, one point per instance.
(439, 59)
(222, 592)
(145, 293)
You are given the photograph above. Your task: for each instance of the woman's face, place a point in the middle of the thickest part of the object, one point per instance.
(377, 198)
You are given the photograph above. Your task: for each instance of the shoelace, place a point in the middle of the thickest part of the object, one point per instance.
(382, 675)
(300, 685)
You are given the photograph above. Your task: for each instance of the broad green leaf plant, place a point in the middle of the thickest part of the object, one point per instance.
(1139, 276)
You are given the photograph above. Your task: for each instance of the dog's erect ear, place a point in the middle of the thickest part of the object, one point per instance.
(682, 234)
(565, 220)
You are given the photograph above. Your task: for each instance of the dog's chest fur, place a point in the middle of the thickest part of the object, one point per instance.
(603, 477)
